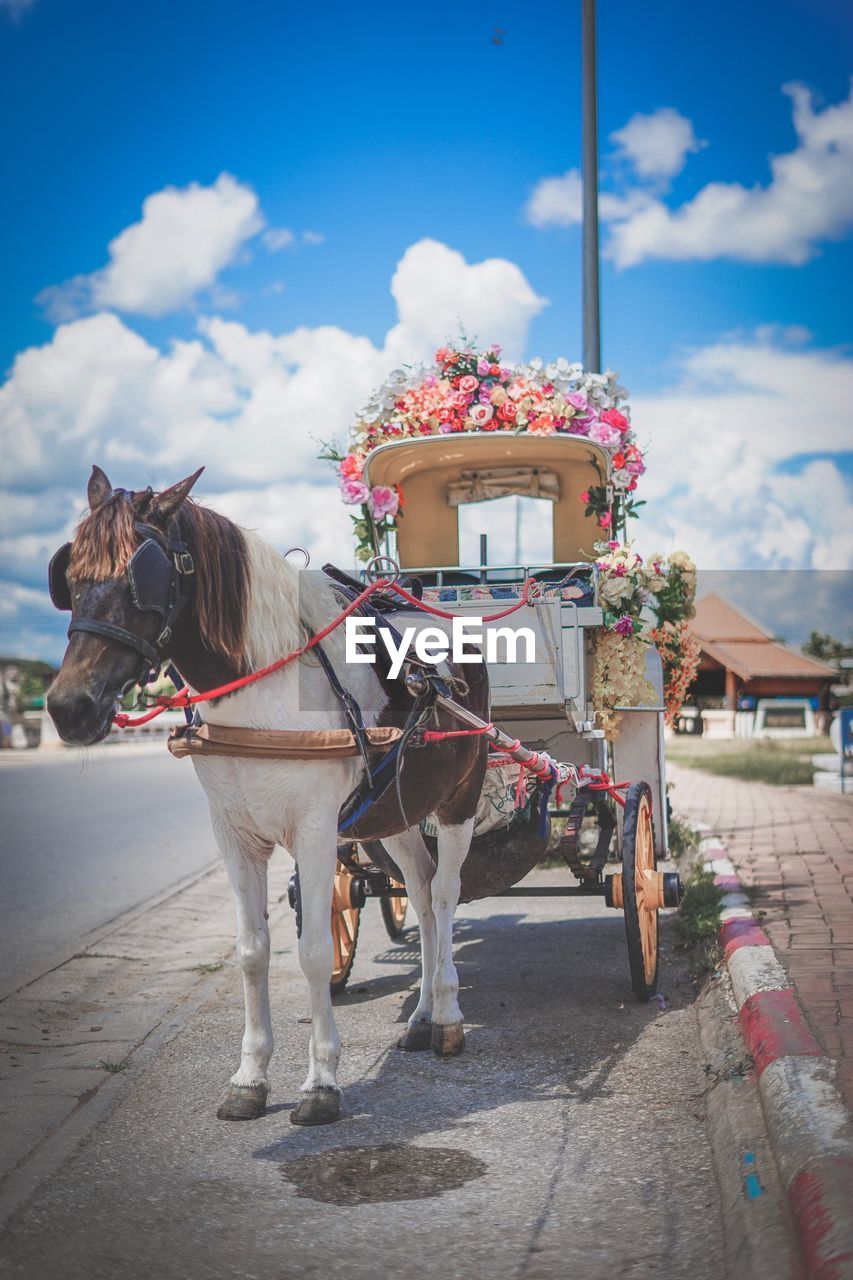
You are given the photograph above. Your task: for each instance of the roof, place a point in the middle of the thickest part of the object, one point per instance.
(716, 620)
(731, 638)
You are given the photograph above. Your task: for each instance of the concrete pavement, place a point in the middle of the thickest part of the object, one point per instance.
(571, 1138)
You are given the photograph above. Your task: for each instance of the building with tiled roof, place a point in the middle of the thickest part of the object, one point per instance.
(740, 658)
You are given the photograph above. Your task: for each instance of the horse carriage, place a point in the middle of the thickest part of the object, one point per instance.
(426, 777)
(544, 704)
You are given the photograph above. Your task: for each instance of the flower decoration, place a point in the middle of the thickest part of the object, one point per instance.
(644, 602)
(470, 390)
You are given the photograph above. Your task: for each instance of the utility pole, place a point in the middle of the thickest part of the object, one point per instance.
(589, 172)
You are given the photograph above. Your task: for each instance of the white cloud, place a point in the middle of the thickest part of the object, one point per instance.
(808, 200)
(278, 238)
(658, 144)
(252, 406)
(185, 237)
(556, 202)
(435, 290)
(717, 442)
(313, 237)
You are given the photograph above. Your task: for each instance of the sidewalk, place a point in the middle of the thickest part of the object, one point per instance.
(794, 846)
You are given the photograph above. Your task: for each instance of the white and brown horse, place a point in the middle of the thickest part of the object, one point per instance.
(246, 607)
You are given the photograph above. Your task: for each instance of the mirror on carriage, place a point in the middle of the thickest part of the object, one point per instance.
(520, 530)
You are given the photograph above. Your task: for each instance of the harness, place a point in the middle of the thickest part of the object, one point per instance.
(157, 573)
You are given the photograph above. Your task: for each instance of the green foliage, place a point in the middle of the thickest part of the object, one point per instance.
(683, 837)
(826, 648)
(762, 762)
(115, 1067)
(699, 915)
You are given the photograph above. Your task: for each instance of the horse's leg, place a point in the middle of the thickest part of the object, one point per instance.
(412, 857)
(246, 864)
(448, 1036)
(315, 850)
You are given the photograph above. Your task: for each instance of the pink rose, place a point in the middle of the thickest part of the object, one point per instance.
(482, 367)
(616, 419)
(353, 492)
(605, 434)
(383, 502)
(625, 625)
(350, 467)
(577, 400)
(480, 414)
(468, 384)
(584, 497)
(605, 520)
(508, 411)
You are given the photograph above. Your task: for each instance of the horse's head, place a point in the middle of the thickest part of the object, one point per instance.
(123, 579)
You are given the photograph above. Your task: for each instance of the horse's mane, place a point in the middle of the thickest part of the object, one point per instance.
(105, 540)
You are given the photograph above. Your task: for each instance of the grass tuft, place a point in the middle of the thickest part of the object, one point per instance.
(115, 1067)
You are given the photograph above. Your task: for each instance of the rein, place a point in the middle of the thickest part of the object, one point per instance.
(183, 698)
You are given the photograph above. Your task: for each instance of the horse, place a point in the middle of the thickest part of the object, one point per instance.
(158, 577)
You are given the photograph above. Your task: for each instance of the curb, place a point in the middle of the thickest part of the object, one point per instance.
(807, 1121)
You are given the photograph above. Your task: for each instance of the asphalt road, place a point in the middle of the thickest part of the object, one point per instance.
(86, 836)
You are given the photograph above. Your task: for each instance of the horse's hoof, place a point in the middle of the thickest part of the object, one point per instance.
(243, 1102)
(320, 1106)
(418, 1036)
(448, 1041)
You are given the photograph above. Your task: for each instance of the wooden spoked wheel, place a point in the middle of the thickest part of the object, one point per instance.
(640, 890)
(345, 922)
(394, 913)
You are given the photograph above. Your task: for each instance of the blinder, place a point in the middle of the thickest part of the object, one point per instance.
(57, 577)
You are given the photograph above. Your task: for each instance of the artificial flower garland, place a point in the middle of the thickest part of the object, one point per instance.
(643, 602)
(469, 390)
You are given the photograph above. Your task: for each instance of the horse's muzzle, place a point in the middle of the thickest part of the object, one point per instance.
(81, 719)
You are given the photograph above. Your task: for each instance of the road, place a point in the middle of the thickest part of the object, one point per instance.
(572, 1138)
(87, 835)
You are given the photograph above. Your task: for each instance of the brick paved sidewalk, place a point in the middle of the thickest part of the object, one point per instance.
(795, 846)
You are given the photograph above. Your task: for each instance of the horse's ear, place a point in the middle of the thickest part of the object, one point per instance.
(99, 488)
(165, 504)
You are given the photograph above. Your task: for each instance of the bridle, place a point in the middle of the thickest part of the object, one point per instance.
(157, 572)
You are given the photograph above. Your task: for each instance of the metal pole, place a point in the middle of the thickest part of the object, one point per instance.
(589, 170)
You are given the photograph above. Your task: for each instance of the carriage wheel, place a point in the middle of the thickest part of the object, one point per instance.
(641, 890)
(345, 921)
(394, 913)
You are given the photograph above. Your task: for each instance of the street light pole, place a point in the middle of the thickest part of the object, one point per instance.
(589, 171)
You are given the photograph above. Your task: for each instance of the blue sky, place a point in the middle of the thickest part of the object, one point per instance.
(375, 130)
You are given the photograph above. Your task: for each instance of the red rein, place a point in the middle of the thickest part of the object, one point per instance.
(186, 699)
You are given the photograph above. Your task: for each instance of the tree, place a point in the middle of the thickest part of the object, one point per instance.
(824, 646)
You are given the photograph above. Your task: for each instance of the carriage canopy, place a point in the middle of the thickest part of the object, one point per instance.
(440, 473)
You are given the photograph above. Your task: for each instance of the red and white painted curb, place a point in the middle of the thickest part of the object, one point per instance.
(806, 1118)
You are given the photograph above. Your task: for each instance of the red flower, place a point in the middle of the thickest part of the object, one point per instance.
(508, 410)
(615, 419)
(585, 497)
(618, 460)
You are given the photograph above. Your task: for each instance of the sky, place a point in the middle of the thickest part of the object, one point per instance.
(223, 225)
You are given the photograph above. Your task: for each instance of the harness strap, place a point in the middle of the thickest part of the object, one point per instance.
(110, 632)
(352, 710)
(279, 744)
